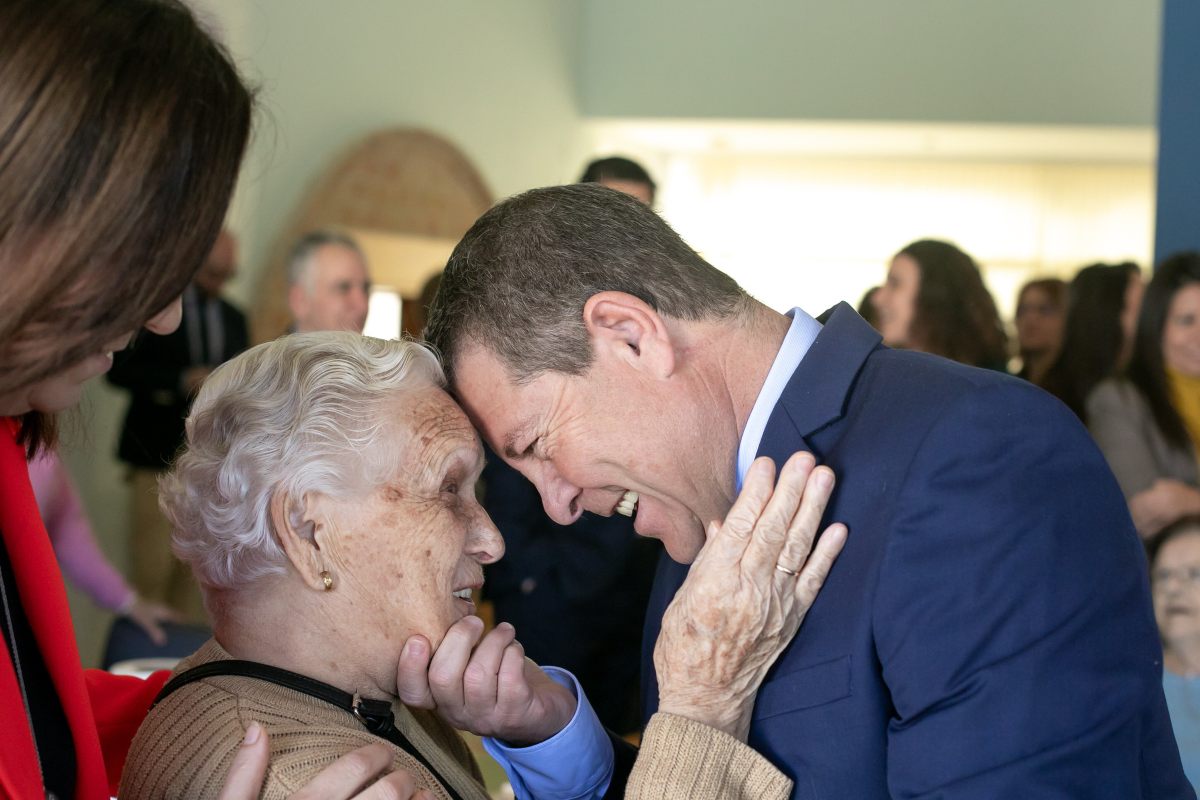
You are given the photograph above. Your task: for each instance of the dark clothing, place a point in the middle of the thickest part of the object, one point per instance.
(576, 594)
(212, 332)
(51, 732)
(987, 630)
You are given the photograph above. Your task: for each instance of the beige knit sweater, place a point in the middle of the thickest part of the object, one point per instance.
(185, 747)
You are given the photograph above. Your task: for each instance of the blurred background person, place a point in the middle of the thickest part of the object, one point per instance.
(1148, 421)
(1041, 317)
(866, 307)
(1102, 311)
(78, 553)
(1175, 581)
(622, 174)
(935, 301)
(162, 374)
(329, 284)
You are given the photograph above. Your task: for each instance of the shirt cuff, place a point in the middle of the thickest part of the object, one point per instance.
(573, 764)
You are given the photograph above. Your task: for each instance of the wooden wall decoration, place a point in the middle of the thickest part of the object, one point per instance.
(408, 194)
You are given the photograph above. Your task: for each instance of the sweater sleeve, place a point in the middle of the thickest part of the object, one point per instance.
(1113, 420)
(683, 758)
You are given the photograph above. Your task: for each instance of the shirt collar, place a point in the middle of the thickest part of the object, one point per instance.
(799, 339)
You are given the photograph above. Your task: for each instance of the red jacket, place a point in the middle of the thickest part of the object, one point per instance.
(103, 710)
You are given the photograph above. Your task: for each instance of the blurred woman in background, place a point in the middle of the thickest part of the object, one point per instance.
(935, 301)
(1102, 310)
(1148, 423)
(1041, 316)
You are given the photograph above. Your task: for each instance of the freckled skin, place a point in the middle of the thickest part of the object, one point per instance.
(402, 550)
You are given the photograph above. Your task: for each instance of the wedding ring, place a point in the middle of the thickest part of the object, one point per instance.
(786, 571)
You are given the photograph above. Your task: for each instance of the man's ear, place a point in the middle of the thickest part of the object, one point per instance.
(625, 327)
(295, 529)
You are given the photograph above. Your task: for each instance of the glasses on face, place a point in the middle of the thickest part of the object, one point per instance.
(1188, 575)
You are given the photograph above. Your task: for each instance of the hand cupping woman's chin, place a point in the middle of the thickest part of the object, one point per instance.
(484, 684)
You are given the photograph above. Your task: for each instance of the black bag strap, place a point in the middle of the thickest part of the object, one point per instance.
(375, 715)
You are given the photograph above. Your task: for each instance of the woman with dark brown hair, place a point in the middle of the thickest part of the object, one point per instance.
(935, 301)
(1147, 421)
(1041, 315)
(122, 128)
(1102, 310)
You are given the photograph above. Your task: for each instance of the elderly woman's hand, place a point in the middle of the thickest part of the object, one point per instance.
(746, 595)
(486, 687)
(363, 774)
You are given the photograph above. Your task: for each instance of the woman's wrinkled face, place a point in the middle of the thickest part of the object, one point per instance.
(1181, 333)
(410, 555)
(63, 389)
(896, 301)
(1175, 579)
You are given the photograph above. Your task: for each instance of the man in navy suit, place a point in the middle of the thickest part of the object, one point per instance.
(986, 632)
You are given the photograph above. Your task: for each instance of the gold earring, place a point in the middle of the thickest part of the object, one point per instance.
(327, 579)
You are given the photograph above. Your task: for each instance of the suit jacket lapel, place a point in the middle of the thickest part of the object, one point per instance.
(818, 390)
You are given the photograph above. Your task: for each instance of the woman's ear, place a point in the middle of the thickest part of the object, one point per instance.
(624, 327)
(295, 527)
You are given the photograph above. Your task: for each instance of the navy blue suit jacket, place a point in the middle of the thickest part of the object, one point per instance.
(987, 631)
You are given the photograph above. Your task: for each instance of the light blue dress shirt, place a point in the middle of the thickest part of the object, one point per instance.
(574, 764)
(800, 336)
(1183, 703)
(577, 762)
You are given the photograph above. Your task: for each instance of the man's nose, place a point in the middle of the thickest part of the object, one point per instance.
(560, 497)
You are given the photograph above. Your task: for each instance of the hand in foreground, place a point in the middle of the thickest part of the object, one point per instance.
(486, 687)
(738, 609)
(351, 777)
(147, 616)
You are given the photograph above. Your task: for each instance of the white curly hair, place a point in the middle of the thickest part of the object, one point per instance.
(302, 414)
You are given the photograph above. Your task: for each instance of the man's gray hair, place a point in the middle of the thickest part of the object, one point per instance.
(517, 282)
(300, 257)
(303, 414)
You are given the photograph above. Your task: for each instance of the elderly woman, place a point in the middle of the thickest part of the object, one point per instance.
(326, 503)
(1175, 579)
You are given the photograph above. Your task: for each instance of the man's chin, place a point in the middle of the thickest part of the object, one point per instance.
(682, 539)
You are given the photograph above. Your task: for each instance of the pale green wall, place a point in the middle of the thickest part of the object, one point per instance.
(493, 77)
(1025, 61)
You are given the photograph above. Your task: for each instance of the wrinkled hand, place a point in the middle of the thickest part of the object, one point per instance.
(351, 777)
(486, 687)
(736, 612)
(1166, 501)
(147, 616)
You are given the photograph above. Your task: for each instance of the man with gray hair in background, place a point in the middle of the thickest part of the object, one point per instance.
(329, 285)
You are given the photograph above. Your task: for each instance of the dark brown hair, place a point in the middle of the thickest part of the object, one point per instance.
(518, 281)
(1147, 369)
(122, 127)
(1092, 336)
(955, 315)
